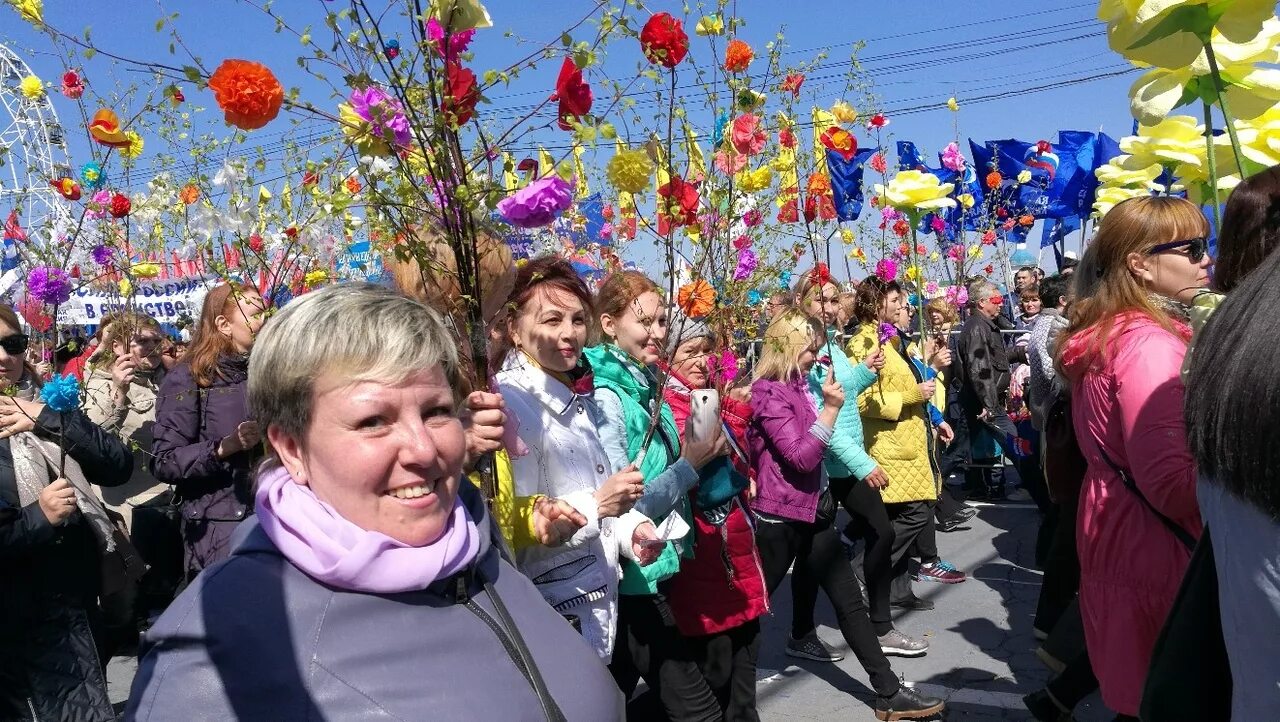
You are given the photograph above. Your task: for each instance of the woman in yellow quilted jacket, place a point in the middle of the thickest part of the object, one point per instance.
(895, 420)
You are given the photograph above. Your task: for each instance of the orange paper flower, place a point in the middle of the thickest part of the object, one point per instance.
(189, 194)
(247, 92)
(696, 299)
(105, 128)
(738, 56)
(1026, 220)
(993, 180)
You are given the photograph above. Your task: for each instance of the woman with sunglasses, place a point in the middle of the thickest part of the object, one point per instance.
(1121, 353)
(52, 526)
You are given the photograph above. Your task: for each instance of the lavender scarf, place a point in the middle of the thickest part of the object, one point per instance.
(320, 542)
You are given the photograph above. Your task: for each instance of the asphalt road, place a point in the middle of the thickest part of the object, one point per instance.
(981, 655)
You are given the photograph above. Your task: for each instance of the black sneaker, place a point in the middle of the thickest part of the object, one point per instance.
(811, 648)
(913, 603)
(907, 703)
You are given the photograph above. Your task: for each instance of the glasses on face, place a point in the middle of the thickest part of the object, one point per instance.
(1196, 248)
(145, 340)
(15, 344)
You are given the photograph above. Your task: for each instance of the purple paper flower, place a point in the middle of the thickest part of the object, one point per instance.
(886, 269)
(538, 203)
(746, 265)
(101, 255)
(606, 231)
(887, 332)
(50, 285)
(382, 112)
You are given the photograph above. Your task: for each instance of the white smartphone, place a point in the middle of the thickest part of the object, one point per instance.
(704, 415)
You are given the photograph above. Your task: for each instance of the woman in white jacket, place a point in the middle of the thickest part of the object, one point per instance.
(546, 384)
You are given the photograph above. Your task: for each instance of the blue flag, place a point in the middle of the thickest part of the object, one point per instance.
(909, 158)
(846, 182)
(1074, 185)
(1056, 231)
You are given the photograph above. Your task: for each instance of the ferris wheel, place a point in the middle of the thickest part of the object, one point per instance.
(33, 152)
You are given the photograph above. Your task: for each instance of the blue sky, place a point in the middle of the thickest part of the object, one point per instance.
(1014, 67)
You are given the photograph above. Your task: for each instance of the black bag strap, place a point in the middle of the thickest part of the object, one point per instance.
(1183, 535)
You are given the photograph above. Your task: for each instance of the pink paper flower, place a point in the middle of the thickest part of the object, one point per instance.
(886, 269)
(538, 203)
(938, 225)
(958, 295)
(729, 163)
(955, 252)
(952, 158)
(752, 218)
(742, 243)
(746, 134)
(458, 42)
(889, 214)
(931, 288)
(746, 265)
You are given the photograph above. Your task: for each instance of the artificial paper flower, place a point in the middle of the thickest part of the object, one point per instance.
(538, 203)
(742, 242)
(72, 86)
(966, 200)
(189, 194)
(886, 269)
(729, 161)
(844, 113)
(49, 284)
(752, 218)
(952, 158)
(460, 15)
(1114, 173)
(709, 25)
(573, 94)
(1171, 33)
(145, 270)
(315, 278)
(247, 92)
(133, 150)
(628, 171)
(737, 56)
(61, 393)
(786, 138)
(746, 265)
(663, 40)
(457, 44)
(1176, 140)
(878, 163)
(30, 10)
(696, 299)
(877, 121)
(988, 238)
(916, 190)
(120, 206)
(1109, 196)
(747, 136)
(994, 179)
(754, 181)
(105, 128)
(32, 87)
(841, 141)
(678, 203)
(461, 94)
(101, 255)
(1024, 176)
(67, 188)
(952, 105)
(382, 117)
(749, 99)
(1026, 220)
(791, 84)
(1260, 138)
(938, 225)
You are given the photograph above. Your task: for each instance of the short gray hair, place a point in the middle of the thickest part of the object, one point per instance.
(361, 331)
(981, 288)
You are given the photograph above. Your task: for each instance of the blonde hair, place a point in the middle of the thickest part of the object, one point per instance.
(785, 339)
(1102, 284)
(357, 331)
(942, 306)
(435, 281)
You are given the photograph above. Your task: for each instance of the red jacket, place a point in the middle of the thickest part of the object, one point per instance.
(722, 586)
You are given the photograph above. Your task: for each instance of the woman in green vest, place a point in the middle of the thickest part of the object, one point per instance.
(632, 318)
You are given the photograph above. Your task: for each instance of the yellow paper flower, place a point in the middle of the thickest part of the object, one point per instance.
(1176, 140)
(1170, 33)
(134, 149)
(933, 257)
(916, 190)
(360, 132)
(1024, 176)
(315, 277)
(844, 112)
(754, 181)
(32, 87)
(1260, 138)
(126, 288)
(1116, 173)
(629, 170)
(974, 251)
(31, 10)
(952, 105)
(146, 270)
(709, 25)
(912, 273)
(459, 15)
(1109, 196)
(1250, 89)
(966, 200)
(846, 235)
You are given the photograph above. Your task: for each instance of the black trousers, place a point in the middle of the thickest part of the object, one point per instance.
(869, 521)
(1061, 565)
(650, 646)
(816, 549)
(728, 663)
(49, 663)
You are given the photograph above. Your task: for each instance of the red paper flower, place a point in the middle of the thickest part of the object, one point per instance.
(787, 138)
(664, 40)
(120, 206)
(820, 275)
(841, 141)
(989, 269)
(573, 94)
(461, 94)
(607, 213)
(901, 227)
(247, 92)
(791, 83)
(988, 237)
(67, 188)
(353, 185)
(920, 249)
(309, 178)
(993, 180)
(255, 243)
(1008, 225)
(818, 207)
(737, 56)
(790, 212)
(877, 121)
(678, 205)
(291, 231)
(742, 243)
(1002, 212)
(72, 85)
(877, 163)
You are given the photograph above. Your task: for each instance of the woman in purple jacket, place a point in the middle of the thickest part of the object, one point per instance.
(788, 440)
(204, 442)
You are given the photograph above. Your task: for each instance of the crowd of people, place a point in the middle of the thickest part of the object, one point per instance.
(304, 492)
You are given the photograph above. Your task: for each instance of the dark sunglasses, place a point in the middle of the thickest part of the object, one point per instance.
(1196, 248)
(15, 344)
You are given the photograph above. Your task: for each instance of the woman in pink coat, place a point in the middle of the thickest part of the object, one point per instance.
(1122, 355)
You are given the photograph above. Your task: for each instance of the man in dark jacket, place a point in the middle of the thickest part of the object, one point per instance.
(982, 369)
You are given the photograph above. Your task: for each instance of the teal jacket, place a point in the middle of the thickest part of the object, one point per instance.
(847, 454)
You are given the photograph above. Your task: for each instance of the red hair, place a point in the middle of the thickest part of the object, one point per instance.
(620, 290)
(550, 272)
(208, 344)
